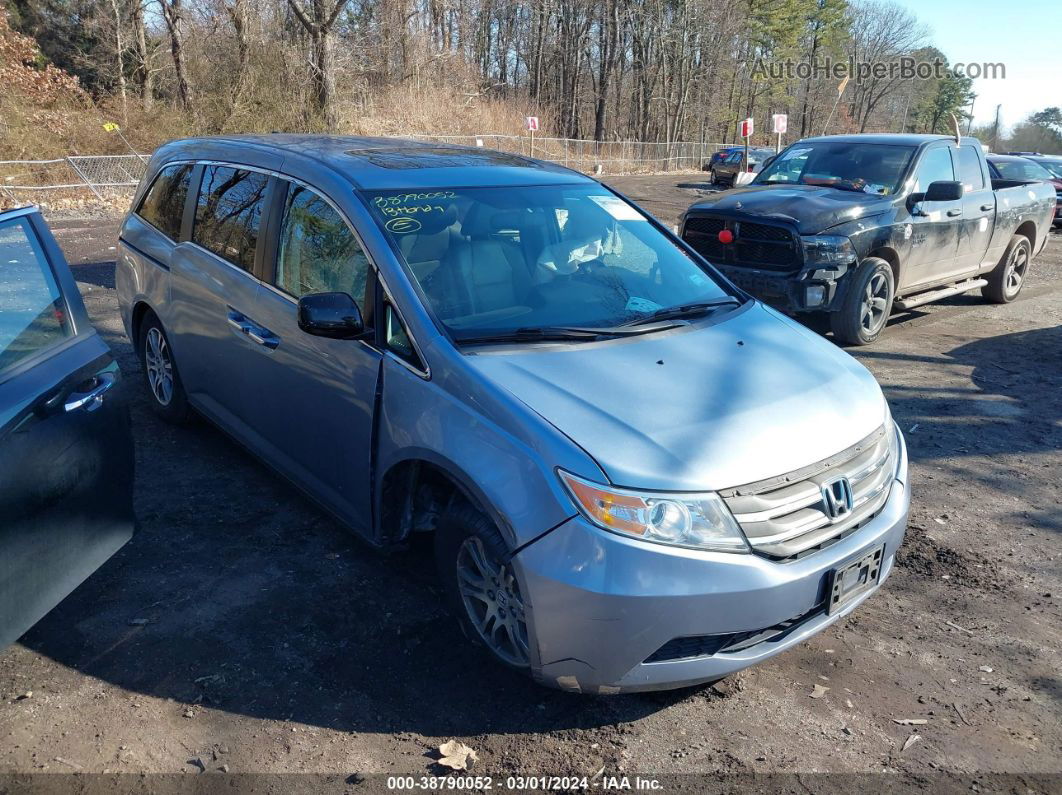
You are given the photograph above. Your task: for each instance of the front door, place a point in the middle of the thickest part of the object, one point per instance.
(213, 287)
(66, 451)
(313, 397)
(935, 226)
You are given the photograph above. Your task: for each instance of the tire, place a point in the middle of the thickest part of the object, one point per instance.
(165, 390)
(867, 303)
(715, 177)
(491, 614)
(1005, 282)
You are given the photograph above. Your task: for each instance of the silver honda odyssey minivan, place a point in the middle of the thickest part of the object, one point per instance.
(636, 476)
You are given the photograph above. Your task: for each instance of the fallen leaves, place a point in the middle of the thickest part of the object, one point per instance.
(818, 691)
(456, 755)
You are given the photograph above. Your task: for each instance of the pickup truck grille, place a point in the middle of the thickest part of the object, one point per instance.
(790, 516)
(756, 245)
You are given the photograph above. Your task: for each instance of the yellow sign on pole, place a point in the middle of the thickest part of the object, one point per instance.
(110, 126)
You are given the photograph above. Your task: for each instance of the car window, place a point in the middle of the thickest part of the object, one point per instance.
(845, 165)
(318, 253)
(398, 340)
(935, 166)
(32, 311)
(735, 157)
(970, 169)
(1021, 169)
(228, 213)
(163, 204)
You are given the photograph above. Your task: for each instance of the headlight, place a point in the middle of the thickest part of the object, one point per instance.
(828, 250)
(686, 520)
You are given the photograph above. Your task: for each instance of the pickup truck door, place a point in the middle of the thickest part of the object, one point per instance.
(978, 210)
(935, 226)
(66, 450)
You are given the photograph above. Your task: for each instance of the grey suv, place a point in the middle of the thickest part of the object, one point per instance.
(636, 475)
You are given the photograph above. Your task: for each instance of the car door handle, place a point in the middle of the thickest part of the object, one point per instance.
(93, 398)
(263, 337)
(954, 213)
(251, 330)
(986, 207)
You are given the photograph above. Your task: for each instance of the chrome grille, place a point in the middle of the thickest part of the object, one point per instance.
(789, 514)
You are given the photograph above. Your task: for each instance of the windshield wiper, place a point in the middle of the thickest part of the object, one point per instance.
(686, 310)
(556, 333)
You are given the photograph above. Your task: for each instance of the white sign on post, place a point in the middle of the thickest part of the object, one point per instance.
(532, 123)
(746, 128)
(781, 122)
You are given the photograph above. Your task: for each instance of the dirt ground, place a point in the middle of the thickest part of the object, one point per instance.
(243, 630)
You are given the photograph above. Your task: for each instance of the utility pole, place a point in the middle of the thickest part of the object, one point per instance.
(995, 130)
(907, 105)
(969, 123)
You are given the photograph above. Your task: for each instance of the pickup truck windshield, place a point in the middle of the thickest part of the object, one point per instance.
(861, 167)
(527, 261)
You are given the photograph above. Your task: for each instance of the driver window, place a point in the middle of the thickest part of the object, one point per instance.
(935, 166)
(318, 253)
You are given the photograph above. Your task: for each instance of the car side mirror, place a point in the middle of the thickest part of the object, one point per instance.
(334, 315)
(944, 191)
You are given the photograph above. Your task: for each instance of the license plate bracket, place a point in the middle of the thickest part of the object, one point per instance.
(848, 582)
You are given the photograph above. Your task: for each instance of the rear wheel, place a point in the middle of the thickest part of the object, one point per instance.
(866, 305)
(165, 390)
(1005, 282)
(481, 585)
(715, 177)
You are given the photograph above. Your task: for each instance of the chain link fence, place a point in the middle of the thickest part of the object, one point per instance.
(82, 179)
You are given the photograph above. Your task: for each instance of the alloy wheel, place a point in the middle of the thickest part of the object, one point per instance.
(493, 602)
(875, 306)
(1016, 267)
(159, 366)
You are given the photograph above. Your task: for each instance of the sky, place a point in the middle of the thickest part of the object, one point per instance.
(1024, 35)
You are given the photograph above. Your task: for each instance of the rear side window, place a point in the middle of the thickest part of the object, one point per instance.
(970, 169)
(163, 204)
(32, 311)
(318, 253)
(228, 213)
(935, 166)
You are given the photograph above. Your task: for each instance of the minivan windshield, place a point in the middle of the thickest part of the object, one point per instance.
(535, 261)
(861, 167)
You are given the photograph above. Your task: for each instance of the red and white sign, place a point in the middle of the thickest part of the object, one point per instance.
(781, 122)
(532, 123)
(746, 128)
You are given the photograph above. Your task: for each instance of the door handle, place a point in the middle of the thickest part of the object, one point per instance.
(986, 207)
(263, 337)
(92, 399)
(954, 213)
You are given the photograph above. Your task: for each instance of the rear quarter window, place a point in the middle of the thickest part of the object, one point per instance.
(163, 204)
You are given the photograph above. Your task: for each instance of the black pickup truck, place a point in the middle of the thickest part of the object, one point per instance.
(857, 225)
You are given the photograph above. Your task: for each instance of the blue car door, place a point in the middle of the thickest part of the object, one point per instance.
(66, 450)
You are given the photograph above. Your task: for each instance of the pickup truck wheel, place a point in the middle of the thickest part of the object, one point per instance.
(165, 390)
(1004, 283)
(481, 585)
(866, 305)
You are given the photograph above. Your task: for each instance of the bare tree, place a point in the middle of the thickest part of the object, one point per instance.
(173, 13)
(319, 21)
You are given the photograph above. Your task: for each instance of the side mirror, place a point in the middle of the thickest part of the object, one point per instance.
(334, 315)
(944, 191)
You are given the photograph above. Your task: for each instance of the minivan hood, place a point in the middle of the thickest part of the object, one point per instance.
(720, 405)
(812, 209)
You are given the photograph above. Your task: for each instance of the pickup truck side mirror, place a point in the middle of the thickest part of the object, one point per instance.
(334, 315)
(943, 191)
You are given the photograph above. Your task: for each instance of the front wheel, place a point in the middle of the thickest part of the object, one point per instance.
(1005, 282)
(481, 585)
(866, 305)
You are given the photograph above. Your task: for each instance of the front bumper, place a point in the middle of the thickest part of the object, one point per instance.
(786, 292)
(601, 604)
